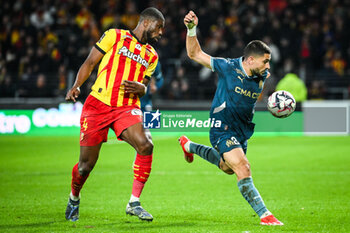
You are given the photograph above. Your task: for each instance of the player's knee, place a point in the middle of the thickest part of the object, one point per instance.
(145, 148)
(225, 168)
(244, 169)
(229, 171)
(85, 168)
(149, 135)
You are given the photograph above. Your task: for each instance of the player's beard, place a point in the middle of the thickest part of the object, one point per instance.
(149, 38)
(255, 72)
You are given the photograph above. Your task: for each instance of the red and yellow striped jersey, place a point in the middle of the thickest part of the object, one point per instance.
(125, 58)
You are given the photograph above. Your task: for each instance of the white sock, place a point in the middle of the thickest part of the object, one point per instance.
(133, 198)
(267, 213)
(187, 146)
(74, 198)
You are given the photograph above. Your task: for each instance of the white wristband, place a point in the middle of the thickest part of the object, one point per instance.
(192, 32)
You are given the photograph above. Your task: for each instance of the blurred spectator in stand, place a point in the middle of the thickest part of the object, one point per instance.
(86, 22)
(7, 87)
(41, 88)
(11, 61)
(130, 17)
(323, 78)
(317, 90)
(40, 18)
(277, 5)
(326, 73)
(306, 32)
(206, 84)
(109, 20)
(83, 18)
(275, 53)
(235, 50)
(24, 81)
(305, 52)
(62, 80)
(179, 86)
(49, 37)
(86, 87)
(338, 63)
(154, 85)
(42, 62)
(3, 72)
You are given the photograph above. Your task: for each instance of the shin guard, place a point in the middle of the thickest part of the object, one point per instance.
(77, 181)
(142, 170)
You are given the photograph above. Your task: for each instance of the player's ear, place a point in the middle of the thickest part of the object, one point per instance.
(145, 23)
(250, 60)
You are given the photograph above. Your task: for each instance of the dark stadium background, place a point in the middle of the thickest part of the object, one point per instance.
(43, 44)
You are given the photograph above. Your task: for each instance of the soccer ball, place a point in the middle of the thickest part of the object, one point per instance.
(281, 104)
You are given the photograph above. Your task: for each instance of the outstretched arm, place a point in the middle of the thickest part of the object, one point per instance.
(193, 47)
(84, 72)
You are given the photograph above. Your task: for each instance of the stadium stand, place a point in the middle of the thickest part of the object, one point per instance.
(43, 43)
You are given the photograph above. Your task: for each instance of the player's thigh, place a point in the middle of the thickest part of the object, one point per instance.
(238, 162)
(235, 157)
(94, 123)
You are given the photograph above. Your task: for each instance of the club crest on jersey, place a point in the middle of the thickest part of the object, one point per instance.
(126, 52)
(138, 46)
(238, 71)
(136, 112)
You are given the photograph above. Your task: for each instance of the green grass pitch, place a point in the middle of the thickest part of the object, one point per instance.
(304, 181)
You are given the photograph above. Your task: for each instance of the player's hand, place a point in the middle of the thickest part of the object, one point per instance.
(73, 94)
(134, 87)
(191, 20)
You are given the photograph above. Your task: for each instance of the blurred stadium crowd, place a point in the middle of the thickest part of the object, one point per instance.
(43, 43)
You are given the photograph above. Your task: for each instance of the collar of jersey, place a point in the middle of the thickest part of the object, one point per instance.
(136, 37)
(242, 69)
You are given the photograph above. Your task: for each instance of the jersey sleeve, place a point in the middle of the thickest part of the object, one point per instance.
(107, 40)
(218, 64)
(151, 68)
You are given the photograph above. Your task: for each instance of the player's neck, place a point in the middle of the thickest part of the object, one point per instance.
(246, 68)
(138, 34)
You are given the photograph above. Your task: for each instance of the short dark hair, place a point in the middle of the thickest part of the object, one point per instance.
(151, 13)
(256, 47)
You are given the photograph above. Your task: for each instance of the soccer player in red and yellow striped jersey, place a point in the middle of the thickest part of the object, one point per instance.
(125, 58)
(127, 61)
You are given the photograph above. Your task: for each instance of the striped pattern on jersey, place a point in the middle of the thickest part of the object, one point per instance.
(125, 59)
